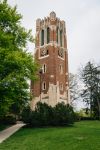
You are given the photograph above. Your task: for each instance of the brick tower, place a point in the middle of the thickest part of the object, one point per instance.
(51, 53)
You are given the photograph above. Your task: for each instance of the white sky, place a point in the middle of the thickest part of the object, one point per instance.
(82, 19)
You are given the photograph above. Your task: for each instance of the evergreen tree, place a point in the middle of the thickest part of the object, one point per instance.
(91, 93)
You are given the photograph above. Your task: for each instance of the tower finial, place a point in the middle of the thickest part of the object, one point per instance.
(52, 15)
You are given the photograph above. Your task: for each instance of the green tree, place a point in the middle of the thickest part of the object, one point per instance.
(96, 95)
(91, 93)
(16, 64)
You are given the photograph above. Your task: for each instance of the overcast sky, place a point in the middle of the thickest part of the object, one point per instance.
(82, 19)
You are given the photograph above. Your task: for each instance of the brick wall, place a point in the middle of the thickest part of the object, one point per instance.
(53, 60)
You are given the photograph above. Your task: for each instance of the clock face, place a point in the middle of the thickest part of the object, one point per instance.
(61, 53)
(43, 52)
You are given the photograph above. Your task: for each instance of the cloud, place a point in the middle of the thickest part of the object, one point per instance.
(82, 23)
(84, 40)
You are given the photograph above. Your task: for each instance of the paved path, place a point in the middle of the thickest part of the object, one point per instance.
(9, 131)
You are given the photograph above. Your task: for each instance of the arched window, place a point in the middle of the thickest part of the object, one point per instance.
(44, 68)
(44, 86)
(48, 35)
(61, 87)
(47, 51)
(60, 37)
(42, 37)
(61, 69)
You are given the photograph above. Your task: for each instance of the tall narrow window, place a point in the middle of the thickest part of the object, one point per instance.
(42, 37)
(61, 69)
(60, 37)
(47, 52)
(48, 35)
(61, 87)
(44, 68)
(57, 34)
(44, 86)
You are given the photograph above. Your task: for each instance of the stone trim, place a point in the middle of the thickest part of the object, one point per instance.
(43, 57)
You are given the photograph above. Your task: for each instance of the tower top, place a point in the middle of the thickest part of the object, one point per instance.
(51, 19)
(53, 16)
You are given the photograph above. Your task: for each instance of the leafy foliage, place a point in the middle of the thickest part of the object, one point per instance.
(7, 120)
(91, 92)
(16, 65)
(45, 115)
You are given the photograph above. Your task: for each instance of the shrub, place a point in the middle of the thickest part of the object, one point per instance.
(77, 116)
(63, 114)
(42, 115)
(86, 118)
(26, 114)
(45, 115)
(9, 119)
(45, 112)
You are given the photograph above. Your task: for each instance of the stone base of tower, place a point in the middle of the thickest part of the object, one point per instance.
(52, 97)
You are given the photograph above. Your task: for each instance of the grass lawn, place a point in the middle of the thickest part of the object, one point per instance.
(83, 135)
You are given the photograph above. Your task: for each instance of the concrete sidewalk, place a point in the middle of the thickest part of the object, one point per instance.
(9, 131)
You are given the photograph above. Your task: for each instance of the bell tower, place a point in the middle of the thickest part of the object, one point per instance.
(52, 54)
